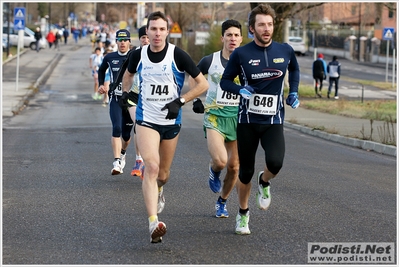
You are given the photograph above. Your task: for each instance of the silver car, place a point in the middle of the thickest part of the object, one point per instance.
(297, 44)
(28, 39)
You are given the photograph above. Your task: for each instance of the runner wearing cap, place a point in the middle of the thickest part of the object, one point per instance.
(122, 124)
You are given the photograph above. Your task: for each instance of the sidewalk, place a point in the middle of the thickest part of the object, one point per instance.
(35, 68)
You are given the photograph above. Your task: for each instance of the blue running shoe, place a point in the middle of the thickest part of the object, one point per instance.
(214, 181)
(221, 211)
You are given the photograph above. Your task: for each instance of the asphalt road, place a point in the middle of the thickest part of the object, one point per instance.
(62, 206)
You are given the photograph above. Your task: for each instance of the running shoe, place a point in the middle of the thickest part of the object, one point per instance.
(263, 197)
(157, 230)
(161, 200)
(123, 160)
(214, 181)
(138, 169)
(242, 224)
(221, 211)
(117, 168)
(96, 96)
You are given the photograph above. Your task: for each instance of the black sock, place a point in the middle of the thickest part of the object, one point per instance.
(222, 200)
(117, 159)
(123, 152)
(243, 212)
(263, 183)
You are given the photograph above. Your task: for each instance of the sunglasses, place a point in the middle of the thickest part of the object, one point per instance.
(122, 40)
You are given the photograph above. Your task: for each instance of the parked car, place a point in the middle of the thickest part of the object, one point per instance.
(28, 39)
(4, 43)
(297, 44)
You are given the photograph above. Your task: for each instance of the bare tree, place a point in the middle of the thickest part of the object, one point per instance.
(286, 11)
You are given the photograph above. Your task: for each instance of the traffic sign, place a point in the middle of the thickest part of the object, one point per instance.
(387, 34)
(175, 28)
(19, 18)
(175, 31)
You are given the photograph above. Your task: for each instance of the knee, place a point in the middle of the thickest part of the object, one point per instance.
(116, 131)
(245, 176)
(219, 163)
(151, 169)
(274, 166)
(126, 137)
(233, 168)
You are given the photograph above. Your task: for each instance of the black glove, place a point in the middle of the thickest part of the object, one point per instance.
(133, 98)
(198, 107)
(173, 109)
(128, 100)
(122, 101)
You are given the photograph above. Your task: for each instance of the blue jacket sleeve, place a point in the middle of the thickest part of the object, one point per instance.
(293, 74)
(232, 70)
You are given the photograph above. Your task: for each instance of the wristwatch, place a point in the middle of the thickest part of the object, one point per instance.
(182, 100)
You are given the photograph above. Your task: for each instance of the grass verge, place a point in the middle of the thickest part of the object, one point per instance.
(381, 110)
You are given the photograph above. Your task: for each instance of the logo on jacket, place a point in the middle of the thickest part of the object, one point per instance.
(115, 61)
(254, 62)
(267, 75)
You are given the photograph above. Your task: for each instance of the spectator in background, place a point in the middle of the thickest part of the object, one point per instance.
(319, 69)
(57, 40)
(50, 38)
(38, 36)
(75, 32)
(65, 32)
(334, 72)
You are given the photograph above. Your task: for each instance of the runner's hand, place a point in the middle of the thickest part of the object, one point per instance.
(198, 107)
(247, 91)
(122, 101)
(292, 100)
(173, 109)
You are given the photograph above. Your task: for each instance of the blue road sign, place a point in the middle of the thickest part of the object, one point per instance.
(19, 18)
(387, 33)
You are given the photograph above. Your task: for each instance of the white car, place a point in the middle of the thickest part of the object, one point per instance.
(297, 44)
(28, 39)
(4, 43)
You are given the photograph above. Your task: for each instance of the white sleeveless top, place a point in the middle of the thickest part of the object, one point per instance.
(160, 83)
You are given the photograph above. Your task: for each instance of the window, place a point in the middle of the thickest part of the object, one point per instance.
(390, 13)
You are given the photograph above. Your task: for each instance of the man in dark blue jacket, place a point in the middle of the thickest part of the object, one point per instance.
(334, 72)
(261, 66)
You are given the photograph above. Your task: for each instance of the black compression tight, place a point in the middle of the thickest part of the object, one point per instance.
(271, 138)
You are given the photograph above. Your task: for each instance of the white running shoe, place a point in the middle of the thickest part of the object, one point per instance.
(117, 168)
(161, 200)
(157, 230)
(242, 224)
(263, 197)
(123, 161)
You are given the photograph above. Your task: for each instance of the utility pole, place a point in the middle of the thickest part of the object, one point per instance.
(360, 23)
(8, 27)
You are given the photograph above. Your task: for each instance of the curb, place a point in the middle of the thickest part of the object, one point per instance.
(348, 141)
(15, 56)
(31, 92)
(47, 71)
